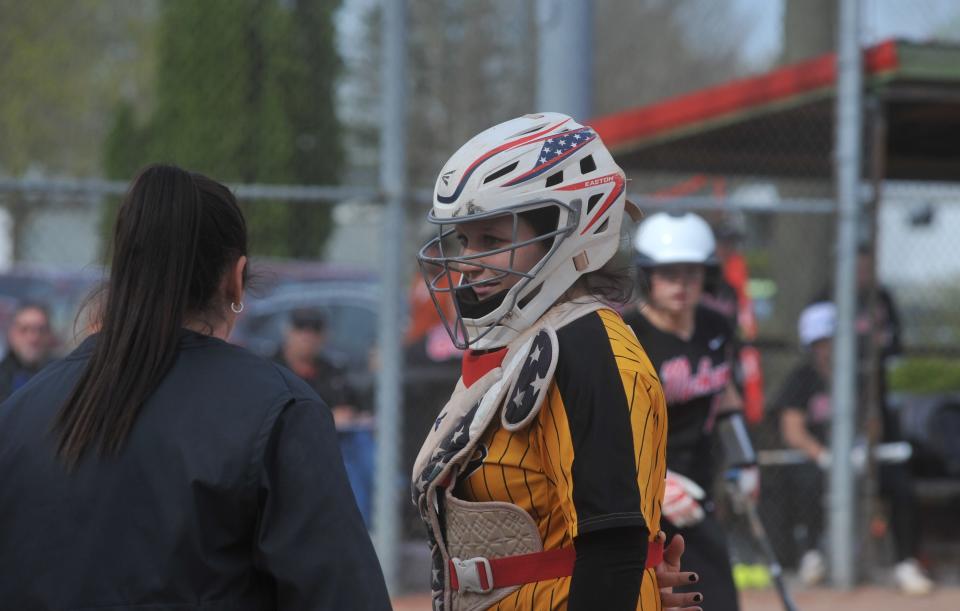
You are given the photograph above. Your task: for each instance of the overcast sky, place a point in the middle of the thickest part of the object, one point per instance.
(911, 19)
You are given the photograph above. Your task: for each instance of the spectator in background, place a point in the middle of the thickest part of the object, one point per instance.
(883, 318)
(29, 345)
(878, 333)
(302, 353)
(805, 412)
(878, 340)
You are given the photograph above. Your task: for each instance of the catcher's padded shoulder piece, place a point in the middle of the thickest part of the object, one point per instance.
(533, 382)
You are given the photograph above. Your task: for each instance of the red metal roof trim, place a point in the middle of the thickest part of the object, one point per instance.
(622, 128)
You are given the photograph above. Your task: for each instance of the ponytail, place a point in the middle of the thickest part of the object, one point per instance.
(175, 236)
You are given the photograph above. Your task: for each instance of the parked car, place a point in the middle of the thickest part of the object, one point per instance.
(349, 309)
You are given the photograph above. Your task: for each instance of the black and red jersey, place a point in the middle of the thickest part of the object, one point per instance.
(694, 373)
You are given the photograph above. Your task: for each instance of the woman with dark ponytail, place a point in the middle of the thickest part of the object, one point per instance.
(158, 466)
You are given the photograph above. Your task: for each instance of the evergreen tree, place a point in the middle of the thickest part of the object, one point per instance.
(244, 93)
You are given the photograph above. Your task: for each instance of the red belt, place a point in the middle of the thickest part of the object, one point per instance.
(485, 574)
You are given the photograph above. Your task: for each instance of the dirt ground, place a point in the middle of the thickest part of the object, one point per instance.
(821, 599)
(872, 598)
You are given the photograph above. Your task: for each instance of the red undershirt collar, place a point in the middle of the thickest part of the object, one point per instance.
(477, 364)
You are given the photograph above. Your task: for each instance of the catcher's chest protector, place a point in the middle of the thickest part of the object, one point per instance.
(464, 531)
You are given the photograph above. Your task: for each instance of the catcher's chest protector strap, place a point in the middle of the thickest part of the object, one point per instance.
(459, 529)
(494, 573)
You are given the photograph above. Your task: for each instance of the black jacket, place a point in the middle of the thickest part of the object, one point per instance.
(229, 495)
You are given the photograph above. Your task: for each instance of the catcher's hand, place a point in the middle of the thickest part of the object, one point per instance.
(669, 576)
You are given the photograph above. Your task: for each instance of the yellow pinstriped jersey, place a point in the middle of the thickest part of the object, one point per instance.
(594, 457)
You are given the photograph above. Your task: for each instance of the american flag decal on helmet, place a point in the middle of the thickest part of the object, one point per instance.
(555, 149)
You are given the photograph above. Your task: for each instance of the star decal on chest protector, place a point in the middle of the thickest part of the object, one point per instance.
(532, 379)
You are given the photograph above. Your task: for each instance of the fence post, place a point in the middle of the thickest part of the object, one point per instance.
(389, 395)
(841, 498)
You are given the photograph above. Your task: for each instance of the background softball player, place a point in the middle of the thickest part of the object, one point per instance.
(690, 346)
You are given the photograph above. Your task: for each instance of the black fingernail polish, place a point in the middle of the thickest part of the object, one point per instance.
(694, 577)
(697, 598)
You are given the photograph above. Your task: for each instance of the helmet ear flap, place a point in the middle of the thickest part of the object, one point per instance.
(634, 210)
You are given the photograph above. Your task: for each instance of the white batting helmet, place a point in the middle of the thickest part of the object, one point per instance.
(817, 321)
(668, 237)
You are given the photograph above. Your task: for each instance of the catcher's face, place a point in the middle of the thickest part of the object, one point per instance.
(489, 236)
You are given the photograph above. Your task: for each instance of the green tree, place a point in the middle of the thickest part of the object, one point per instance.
(244, 93)
(63, 64)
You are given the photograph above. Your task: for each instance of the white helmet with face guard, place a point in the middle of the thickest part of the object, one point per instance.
(525, 164)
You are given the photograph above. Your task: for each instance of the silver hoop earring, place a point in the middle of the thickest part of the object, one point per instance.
(236, 308)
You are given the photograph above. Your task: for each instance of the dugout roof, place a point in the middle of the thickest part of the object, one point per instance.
(781, 123)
